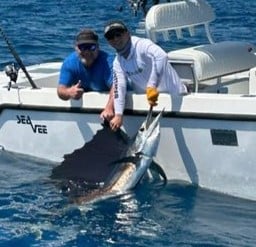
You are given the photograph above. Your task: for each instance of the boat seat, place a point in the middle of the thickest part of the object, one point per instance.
(203, 62)
(215, 60)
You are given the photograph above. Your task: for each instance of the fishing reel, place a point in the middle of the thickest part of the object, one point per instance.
(12, 72)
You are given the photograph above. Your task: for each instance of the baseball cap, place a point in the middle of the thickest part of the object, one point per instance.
(114, 25)
(86, 36)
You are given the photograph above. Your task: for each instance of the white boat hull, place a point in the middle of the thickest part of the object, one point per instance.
(191, 147)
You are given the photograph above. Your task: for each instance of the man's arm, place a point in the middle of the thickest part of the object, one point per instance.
(108, 113)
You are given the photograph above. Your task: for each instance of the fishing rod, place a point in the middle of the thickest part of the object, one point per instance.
(17, 58)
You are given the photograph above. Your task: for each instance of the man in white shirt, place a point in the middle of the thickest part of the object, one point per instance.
(144, 64)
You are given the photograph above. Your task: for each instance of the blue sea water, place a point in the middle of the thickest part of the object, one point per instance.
(32, 210)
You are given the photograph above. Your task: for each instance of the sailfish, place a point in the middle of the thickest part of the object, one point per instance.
(124, 172)
(132, 166)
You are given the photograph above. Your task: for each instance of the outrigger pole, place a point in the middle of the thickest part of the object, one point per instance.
(17, 58)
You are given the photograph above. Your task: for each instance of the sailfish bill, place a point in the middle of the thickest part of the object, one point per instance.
(132, 166)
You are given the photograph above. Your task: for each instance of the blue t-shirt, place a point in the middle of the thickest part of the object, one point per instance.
(98, 77)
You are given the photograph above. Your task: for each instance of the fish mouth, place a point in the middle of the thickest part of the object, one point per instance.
(148, 134)
(151, 124)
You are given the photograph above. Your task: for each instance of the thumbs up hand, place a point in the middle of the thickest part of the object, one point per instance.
(76, 91)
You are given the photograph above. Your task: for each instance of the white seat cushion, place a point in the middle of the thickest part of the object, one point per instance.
(218, 59)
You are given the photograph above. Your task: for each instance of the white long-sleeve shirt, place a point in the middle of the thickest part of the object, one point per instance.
(146, 65)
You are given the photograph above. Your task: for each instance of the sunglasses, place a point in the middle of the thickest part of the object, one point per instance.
(115, 34)
(87, 47)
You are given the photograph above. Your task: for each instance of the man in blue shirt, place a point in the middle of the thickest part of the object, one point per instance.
(86, 69)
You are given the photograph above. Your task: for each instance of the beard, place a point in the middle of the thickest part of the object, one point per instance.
(83, 60)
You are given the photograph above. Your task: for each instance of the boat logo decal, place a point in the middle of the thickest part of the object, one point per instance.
(37, 128)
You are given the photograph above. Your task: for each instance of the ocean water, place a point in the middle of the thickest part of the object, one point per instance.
(33, 212)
